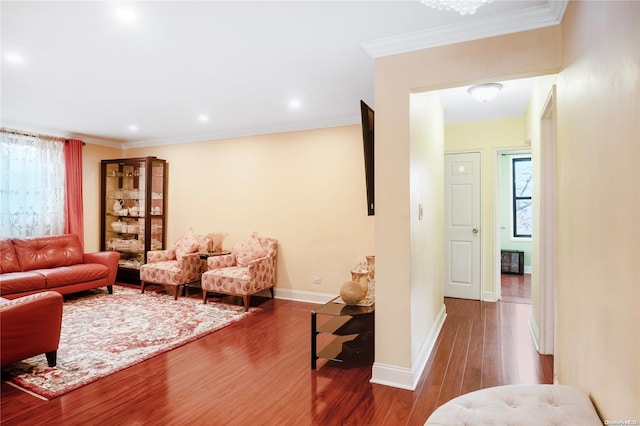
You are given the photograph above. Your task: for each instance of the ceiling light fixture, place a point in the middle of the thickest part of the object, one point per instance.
(126, 14)
(295, 104)
(485, 92)
(14, 58)
(133, 127)
(202, 118)
(461, 6)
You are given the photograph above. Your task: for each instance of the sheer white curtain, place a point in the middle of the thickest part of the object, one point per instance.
(32, 186)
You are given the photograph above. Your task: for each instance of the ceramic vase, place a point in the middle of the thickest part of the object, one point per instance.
(361, 277)
(371, 265)
(352, 292)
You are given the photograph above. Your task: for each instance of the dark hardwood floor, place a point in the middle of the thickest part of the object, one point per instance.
(516, 288)
(257, 372)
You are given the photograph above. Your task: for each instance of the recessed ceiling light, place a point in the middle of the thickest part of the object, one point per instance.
(133, 127)
(14, 58)
(202, 118)
(295, 104)
(126, 14)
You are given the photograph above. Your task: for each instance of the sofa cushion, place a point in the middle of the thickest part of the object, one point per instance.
(66, 275)
(48, 252)
(248, 250)
(8, 259)
(19, 282)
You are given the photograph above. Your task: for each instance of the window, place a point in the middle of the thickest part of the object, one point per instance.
(521, 196)
(32, 186)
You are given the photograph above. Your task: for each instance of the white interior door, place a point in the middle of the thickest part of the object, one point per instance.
(462, 225)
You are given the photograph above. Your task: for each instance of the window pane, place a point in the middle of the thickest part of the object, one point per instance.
(32, 183)
(523, 216)
(522, 177)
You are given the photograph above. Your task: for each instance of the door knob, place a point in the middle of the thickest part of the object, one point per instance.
(475, 230)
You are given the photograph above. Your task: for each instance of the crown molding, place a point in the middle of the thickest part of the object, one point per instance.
(240, 133)
(225, 134)
(544, 15)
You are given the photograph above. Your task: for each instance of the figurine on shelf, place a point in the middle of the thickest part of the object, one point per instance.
(117, 205)
(133, 210)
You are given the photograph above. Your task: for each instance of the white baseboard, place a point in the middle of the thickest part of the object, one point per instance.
(489, 296)
(528, 269)
(535, 332)
(407, 378)
(302, 296)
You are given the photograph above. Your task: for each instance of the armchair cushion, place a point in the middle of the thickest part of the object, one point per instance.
(204, 243)
(248, 250)
(174, 271)
(187, 244)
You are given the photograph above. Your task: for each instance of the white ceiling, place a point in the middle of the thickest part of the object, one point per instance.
(82, 71)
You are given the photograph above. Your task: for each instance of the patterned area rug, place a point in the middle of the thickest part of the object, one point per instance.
(103, 333)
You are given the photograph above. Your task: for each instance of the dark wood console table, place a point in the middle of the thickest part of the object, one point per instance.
(353, 331)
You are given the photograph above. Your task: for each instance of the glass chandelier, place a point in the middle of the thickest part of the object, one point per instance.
(461, 6)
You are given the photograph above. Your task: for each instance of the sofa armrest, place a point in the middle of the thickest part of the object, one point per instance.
(30, 325)
(224, 261)
(109, 259)
(154, 256)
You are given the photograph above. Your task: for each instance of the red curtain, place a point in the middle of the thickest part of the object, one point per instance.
(74, 223)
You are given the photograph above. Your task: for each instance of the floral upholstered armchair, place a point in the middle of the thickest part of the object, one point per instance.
(250, 268)
(177, 266)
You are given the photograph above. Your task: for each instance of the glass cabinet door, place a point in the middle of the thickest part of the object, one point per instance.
(157, 205)
(133, 211)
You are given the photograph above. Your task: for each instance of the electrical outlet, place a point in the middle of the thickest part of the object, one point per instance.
(315, 279)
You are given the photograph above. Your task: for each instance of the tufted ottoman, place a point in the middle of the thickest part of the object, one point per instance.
(518, 405)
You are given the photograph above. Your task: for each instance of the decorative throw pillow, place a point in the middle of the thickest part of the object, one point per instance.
(216, 240)
(187, 244)
(248, 250)
(204, 243)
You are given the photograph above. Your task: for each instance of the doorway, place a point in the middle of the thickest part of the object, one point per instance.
(514, 217)
(548, 230)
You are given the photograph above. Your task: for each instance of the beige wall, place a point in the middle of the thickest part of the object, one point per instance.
(486, 137)
(91, 157)
(598, 291)
(307, 189)
(396, 77)
(426, 179)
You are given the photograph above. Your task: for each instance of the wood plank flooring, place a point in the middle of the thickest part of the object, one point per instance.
(257, 372)
(515, 288)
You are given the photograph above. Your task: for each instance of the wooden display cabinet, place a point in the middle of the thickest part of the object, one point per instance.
(133, 211)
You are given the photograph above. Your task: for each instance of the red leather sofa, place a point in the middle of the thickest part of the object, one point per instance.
(34, 265)
(29, 326)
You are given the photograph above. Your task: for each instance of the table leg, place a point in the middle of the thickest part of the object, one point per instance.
(313, 340)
